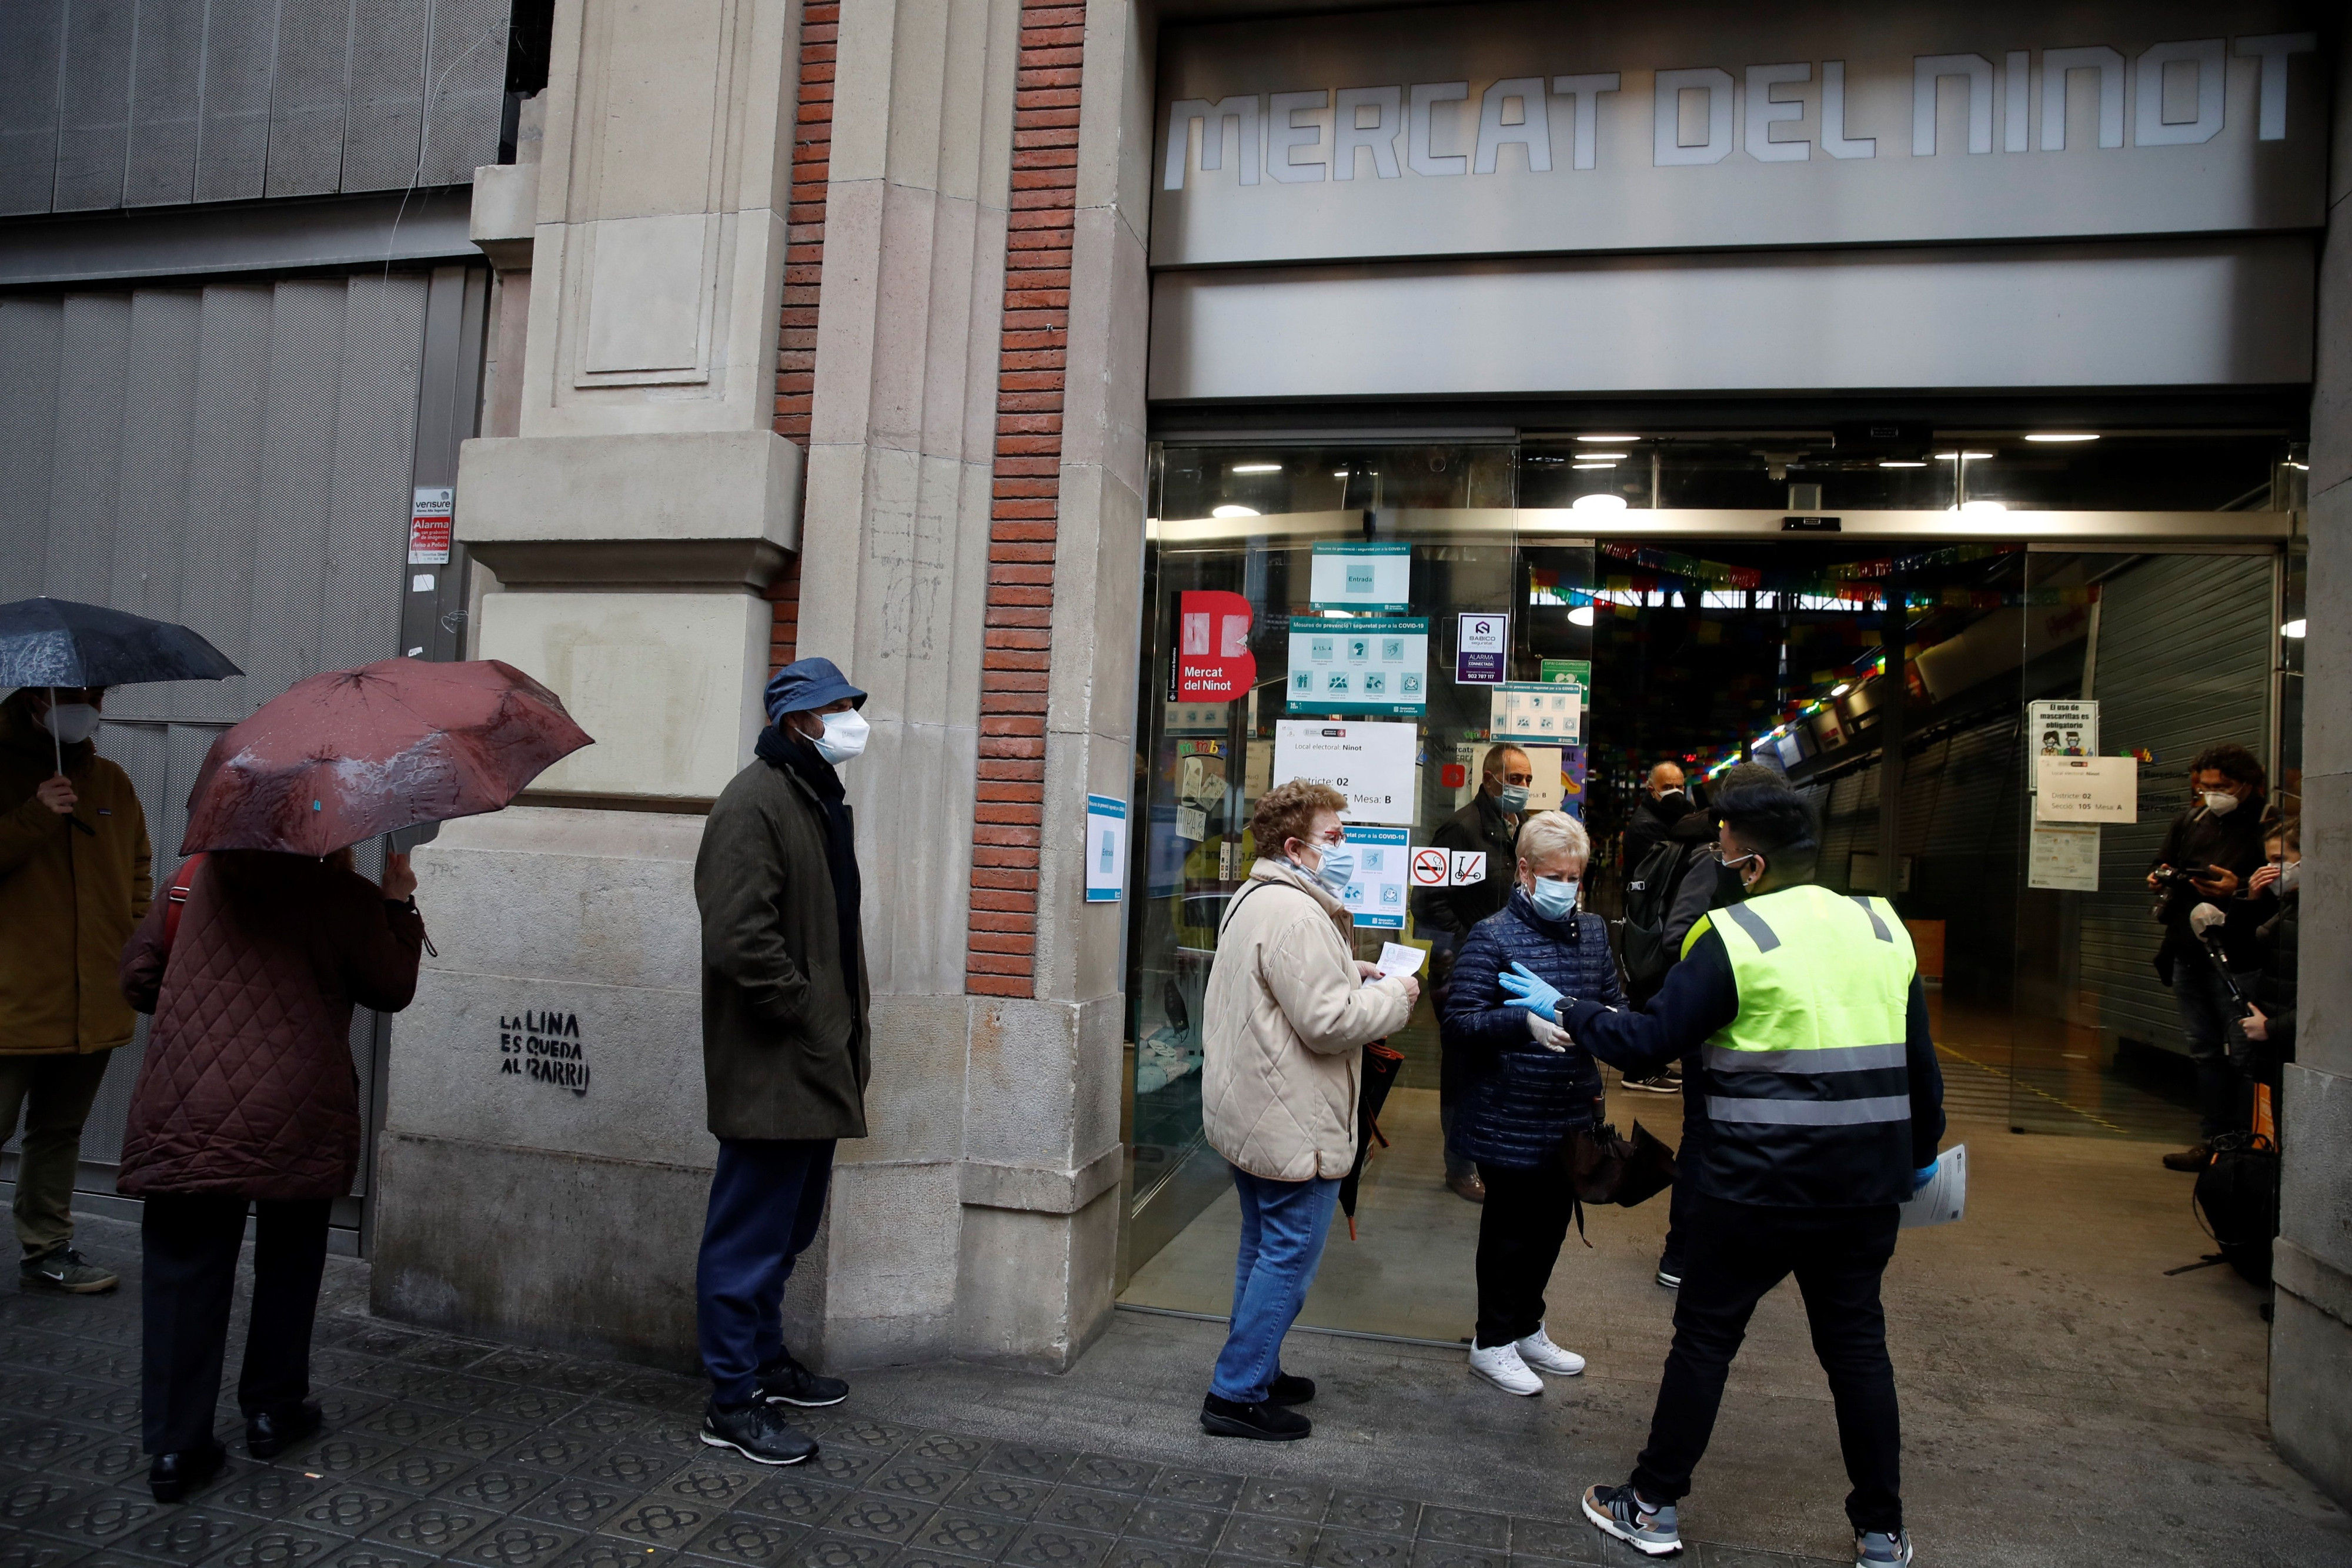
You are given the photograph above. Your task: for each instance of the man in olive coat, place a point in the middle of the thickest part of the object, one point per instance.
(784, 1051)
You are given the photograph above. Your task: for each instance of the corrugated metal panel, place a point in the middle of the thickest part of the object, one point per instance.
(223, 475)
(32, 34)
(31, 332)
(306, 98)
(233, 144)
(166, 79)
(366, 538)
(152, 496)
(86, 464)
(295, 497)
(94, 104)
(384, 122)
(466, 80)
(2184, 655)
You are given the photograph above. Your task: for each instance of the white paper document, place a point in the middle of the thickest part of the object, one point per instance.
(1396, 958)
(2085, 790)
(1946, 1196)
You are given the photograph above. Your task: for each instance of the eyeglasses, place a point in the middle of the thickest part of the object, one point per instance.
(1330, 840)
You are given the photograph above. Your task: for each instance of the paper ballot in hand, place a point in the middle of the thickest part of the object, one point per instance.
(1396, 958)
(1946, 1196)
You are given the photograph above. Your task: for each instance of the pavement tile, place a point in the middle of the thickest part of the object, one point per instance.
(827, 1549)
(1083, 1508)
(589, 1379)
(418, 1470)
(343, 1453)
(405, 1424)
(799, 1499)
(580, 1504)
(503, 1488)
(514, 1363)
(189, 1533)
(517, 1544)
(918, 1480)
(529, 1405)
(884, 1518)
(548, 1450)
(1177, 1524)
(848, 1466)
(1370, 1510)
(1132, 1554)
(374, 1554)
(604, 1551)
(1287, 1542)
(345, 1506)
(1361, 1549)
(39, 1552)
(601, 1422)
(662, 1522)
(53, 1394)
(95, 1517)
(450, 1355)
(948, 1448)
(340, 1407)
(432, 1525)
(1204, 1488)
(630, 1468)
(34, 1444)
(1052, 1546)
(745, 1538)
(116, 1411)
(477, 1437)
(1111, 1474)
(662, 1389)
(1284, 1500)
(266, 1491)
(1560, 1541)
(923, 1557)
(674, 1433)
(1028, 1461)
(376, 1339)
(1466, 1527)
(1011, 1496)
(959, 1532)
(1450, 1555)
(716, 1484)
(109, 1462)
(277, 1544)
(881, 1436)
(1714, 1556)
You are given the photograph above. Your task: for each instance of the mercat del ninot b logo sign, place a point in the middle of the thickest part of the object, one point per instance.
(1530, 128)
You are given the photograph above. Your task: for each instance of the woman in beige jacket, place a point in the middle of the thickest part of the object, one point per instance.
(1288, 1012)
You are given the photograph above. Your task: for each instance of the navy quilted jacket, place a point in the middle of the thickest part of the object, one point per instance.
(1521, 1101)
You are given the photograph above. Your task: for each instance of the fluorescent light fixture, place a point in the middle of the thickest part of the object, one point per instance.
(1949, 456)
(1903, 463)
(1598, 504)
(2293, 628)
(1255, 468)
(1342, 473)
(1582, 616)
(2304, 467)
(1590, 440)
(1600, 456)
(1230, 510)
(1839, 689)
(1590, 468)
(2056, 436)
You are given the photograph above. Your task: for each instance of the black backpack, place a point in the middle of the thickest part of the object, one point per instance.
(2239, 1191)
(1649, 898)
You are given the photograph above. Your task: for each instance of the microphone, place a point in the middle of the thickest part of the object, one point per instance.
(2205, 922)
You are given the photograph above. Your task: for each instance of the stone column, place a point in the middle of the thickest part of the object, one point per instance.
(2311, 1333)
(544, 1160)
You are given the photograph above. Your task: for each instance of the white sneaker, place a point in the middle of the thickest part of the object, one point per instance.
(1502, 1367)
(1538, 1351)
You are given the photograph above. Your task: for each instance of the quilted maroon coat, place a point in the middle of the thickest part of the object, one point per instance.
(247, 1087)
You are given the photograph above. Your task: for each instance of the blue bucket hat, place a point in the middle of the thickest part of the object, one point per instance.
(807, 684)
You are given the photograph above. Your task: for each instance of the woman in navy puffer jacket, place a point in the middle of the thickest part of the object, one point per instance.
(1530, 1088)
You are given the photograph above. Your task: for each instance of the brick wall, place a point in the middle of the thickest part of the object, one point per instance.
(803, 276)
(1007, 831)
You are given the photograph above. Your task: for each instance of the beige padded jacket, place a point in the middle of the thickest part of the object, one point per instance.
(1287, 1019)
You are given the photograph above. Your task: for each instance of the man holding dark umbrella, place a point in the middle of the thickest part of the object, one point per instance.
(784, 1048)
(74, 883)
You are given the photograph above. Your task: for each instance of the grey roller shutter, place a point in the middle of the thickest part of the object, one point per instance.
(166, 82)
(32, 37)
(94, 104)
(233, 141)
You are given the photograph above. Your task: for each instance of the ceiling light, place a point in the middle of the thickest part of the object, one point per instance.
(1582, 616)
(1839, 689)
(1903, 463)
(1230, 510)
(1342, 473)
(1598, 504)
(1256, 468)
(1589, 467)
(2293, 628)
(1948, 456)
(1598, 456)
(2061, 435)
(1591, 439)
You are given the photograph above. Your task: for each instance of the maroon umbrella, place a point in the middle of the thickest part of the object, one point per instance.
(349, 755)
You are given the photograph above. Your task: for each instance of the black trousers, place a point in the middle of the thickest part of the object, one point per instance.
(1736, 1253)
(189, 1244)
(1521, 1227)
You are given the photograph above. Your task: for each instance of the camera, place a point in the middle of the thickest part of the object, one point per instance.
(2179, 877)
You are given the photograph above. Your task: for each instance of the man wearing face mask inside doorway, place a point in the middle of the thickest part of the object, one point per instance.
(2211, 847)
(1663, 802)
(74, 884)
(784, 1047)
(1489, 824)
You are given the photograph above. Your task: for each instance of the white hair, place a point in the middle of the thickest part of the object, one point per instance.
(1547, 832)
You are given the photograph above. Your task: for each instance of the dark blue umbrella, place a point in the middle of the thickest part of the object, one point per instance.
(55, 642)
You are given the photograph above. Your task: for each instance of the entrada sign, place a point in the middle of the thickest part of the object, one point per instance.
(1495, 129)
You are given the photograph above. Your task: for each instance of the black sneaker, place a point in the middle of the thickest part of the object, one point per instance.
(757, 1433)
(1269, 1423)
(1657, 1084)
(1670, 1276)
(63, 1269)
(1288, 1390)
(787, 1381)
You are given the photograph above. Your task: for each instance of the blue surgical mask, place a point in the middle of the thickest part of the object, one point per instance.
(1555, 898)
(1336, 869)
(1514, 799)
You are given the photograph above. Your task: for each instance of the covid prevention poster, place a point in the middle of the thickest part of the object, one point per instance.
(1374, 664)
(1360, 575)
(1106, 849)
(1375, 895)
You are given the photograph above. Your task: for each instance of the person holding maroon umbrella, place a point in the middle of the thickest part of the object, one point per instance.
(251, 964)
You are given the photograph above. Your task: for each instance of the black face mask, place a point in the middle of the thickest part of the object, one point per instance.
(1675, 803)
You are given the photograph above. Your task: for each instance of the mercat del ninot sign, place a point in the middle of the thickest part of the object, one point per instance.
(1545, 129)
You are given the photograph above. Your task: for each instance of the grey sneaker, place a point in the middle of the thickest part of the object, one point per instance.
(1878, 1548)
(1621, 1512)
(66, 1270)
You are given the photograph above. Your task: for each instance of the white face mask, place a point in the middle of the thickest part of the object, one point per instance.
(2290, 876)
(844, 738)
(2220, 802)
(71, 723)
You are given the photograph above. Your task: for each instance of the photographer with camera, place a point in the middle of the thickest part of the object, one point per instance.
(2210, 850)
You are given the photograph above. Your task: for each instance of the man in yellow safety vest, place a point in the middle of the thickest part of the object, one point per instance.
(1812, 1109)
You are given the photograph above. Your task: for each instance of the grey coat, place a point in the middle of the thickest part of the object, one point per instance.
(785, 1049)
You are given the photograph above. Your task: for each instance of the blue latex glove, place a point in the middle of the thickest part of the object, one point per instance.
(1924, 1174)
(1522, 987)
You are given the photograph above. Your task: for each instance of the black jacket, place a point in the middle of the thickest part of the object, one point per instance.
(1649, 827)
(783, 1038)
(2274, 992)
(2195, 838)
(1480, 825)
(1782, 1166)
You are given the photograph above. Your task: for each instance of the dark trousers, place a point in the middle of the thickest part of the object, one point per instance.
(188, 1245)
(1520, 1229)
(767, 1199)
(1736, 1252)
(55, 1094)
(2207, 1010)
(1678, 1202)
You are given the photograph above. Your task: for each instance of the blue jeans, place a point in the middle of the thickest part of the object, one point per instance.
(2207, 1010)
(767, 1199)
(1282, 1226)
